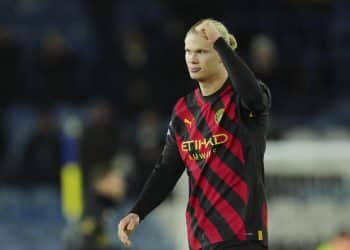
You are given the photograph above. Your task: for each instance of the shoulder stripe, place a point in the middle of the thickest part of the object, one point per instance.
(231, 107)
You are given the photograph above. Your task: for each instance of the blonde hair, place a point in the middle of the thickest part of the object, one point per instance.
(229, 38)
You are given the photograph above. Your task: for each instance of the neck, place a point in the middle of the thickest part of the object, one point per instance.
(210, 86)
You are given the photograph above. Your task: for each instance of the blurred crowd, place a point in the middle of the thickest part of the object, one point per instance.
(118, 68)
(132, 53)
(114, 156)
(340, 241)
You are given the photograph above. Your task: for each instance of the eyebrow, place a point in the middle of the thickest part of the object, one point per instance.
(197, 49)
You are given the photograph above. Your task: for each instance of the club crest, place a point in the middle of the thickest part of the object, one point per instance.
(218, 115)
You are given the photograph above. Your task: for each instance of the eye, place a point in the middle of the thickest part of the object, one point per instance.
(201, 51)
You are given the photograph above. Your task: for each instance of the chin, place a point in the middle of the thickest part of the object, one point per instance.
(196, 77)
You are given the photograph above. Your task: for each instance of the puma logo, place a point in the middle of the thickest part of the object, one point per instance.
(188, 122)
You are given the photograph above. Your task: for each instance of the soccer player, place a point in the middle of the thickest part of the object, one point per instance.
(218, 134)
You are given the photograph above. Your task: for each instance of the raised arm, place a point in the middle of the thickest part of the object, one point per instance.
(254, 94)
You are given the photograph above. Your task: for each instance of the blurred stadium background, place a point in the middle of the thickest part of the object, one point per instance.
(87, 87)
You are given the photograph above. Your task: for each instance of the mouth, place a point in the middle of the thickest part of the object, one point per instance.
(195, 69)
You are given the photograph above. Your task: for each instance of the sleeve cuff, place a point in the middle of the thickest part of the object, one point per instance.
(135, 211)
(221, 44)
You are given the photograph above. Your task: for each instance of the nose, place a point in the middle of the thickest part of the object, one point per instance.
(192, 58)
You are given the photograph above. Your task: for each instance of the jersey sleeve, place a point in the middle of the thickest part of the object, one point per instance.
(254, 95)
(266, 93)
(163, 178)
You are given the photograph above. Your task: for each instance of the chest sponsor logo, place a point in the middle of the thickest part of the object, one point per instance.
(203, 148)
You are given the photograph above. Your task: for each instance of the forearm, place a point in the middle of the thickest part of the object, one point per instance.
(158, 186)
(242, 78)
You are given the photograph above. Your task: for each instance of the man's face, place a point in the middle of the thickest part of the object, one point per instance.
(202, 60)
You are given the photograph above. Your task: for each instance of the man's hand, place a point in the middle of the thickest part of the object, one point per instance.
(209, 31)
(126, 226)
